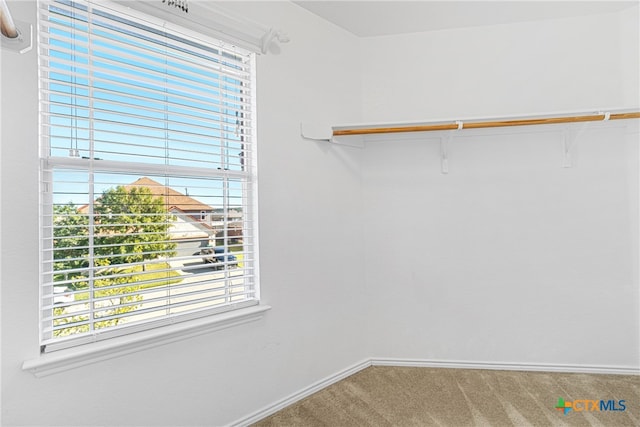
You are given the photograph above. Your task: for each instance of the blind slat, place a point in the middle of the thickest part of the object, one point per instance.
(209, 111)
(217, 96)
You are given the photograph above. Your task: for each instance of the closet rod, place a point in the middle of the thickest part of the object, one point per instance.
(489, 124)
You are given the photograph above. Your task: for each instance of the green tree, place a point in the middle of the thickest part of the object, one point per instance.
(130, 226)
(71, 238)
(116, 300)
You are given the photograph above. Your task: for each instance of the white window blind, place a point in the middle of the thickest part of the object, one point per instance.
(148, 174)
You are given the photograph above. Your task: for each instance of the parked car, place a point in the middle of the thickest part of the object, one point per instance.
(216, 255)
(62, 295)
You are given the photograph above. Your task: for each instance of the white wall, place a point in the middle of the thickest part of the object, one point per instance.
(311, 235)
(508, 258)
(554, 65)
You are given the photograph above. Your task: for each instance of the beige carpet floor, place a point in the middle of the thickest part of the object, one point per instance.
(403, 396)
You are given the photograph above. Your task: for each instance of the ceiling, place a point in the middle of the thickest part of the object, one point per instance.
(380, 18)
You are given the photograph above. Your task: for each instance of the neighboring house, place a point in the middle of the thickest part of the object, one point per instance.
(195, 223)
(193, 216)
(175, 201)
(234, 222)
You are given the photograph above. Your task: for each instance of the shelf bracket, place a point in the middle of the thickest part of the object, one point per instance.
(569, 137)
(315, 132)
(444, 153)
(324, 133)
(444, 148)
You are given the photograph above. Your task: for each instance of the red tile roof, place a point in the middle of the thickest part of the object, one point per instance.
(173, 198)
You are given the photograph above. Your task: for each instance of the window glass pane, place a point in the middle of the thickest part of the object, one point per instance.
(146, 186)
(144, 247)
(140, 90)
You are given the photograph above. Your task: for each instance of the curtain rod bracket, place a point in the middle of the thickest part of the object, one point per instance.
(17, 36)
(23, 43)
(272, 36)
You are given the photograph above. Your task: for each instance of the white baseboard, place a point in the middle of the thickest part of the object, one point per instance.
(426, 363)
(301, 394)
(505, 366)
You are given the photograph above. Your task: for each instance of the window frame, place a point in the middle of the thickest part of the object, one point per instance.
(162, 329)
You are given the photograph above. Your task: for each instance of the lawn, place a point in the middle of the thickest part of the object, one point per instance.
(158, 274)
(239, 256)
(154, 272)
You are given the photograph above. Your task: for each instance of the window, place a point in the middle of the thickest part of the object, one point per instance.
(144, 130)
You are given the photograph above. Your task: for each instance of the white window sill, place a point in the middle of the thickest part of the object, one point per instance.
(63, 360)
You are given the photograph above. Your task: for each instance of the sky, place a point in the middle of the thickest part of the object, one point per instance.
(118, 90)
